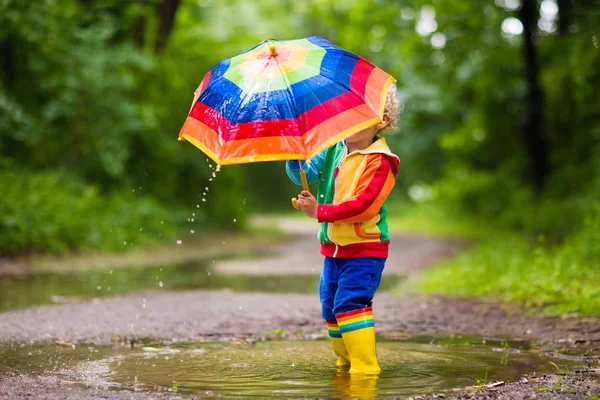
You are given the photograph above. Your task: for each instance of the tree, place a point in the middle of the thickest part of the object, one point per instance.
(166, 21)
(533, 128)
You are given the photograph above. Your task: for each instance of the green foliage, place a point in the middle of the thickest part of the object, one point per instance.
(562, 279)
(83, 90)
(58, 212)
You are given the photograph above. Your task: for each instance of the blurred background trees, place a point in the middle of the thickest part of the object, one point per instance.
(501, 120)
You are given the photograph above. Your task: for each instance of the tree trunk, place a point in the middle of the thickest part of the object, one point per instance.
(533, 129)
(8, 63)
(564, 16)
(166, 15)
(139, 31)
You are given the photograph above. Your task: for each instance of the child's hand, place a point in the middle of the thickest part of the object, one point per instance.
(308, 204)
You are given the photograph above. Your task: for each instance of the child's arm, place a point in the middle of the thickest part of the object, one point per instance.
(312, 169)
(374, 186)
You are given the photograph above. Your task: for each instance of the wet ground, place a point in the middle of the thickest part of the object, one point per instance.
(284, 369)
(171, 305)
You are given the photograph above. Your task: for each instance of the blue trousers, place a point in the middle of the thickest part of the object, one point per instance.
(348, 284)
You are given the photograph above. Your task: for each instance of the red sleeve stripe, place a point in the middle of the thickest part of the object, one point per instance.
(368, 193)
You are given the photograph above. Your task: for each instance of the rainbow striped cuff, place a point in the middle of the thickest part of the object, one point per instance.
(333, 329)
(355, 319)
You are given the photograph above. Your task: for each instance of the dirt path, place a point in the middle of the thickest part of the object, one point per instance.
(222, 315)
(408, 253)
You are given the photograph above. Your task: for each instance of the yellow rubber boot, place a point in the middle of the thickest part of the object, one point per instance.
(339, 348)
(358, 332)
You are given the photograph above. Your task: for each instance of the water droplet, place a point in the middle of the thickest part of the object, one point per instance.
(193, 214)
(140, 188)
(206, 188)
(160, 284)
(203, 199)
(208, 273)
(197, 205)
(192, 220)
(223, 242)
(125, 243)
(141, 229)
(234, 220)
(210, 180)
(322, 196)
(179, 242)
(133, 190)
(203, 193)
(162, 222)
(98, 287)
(110, 272)
(191, 231)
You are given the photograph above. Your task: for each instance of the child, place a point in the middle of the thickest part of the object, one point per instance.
(355, 178)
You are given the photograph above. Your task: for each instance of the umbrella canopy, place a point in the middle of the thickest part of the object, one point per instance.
(284, 100)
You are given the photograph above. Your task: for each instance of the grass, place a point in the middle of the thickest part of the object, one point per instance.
(508, 265)
(433, 220)
(547, 280)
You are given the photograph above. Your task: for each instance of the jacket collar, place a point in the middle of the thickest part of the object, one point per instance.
(380, 146)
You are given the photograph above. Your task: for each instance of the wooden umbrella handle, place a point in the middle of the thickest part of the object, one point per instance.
(304, 187)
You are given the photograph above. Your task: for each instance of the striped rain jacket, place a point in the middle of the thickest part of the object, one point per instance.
(352, 192)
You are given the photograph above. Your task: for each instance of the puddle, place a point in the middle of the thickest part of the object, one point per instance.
(72, 287)
(284, 369)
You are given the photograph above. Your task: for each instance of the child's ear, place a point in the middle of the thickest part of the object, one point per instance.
(384, 123)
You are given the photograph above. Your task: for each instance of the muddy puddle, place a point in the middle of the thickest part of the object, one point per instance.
(283, 369)
(75, 287)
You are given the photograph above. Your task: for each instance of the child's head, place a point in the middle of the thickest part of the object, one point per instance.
(392, 109)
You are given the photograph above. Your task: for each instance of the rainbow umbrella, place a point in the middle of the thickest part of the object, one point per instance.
(284, 100)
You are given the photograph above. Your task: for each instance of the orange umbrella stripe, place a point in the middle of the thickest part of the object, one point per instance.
(277, 148)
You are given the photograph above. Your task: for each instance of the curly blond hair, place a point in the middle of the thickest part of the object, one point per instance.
(393, 109)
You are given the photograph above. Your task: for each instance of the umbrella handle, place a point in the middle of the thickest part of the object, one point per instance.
(304, 187)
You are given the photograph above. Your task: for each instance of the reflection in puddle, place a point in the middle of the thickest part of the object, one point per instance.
(280, 368)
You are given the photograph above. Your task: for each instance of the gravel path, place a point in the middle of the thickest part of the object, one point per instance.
(202, 315)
